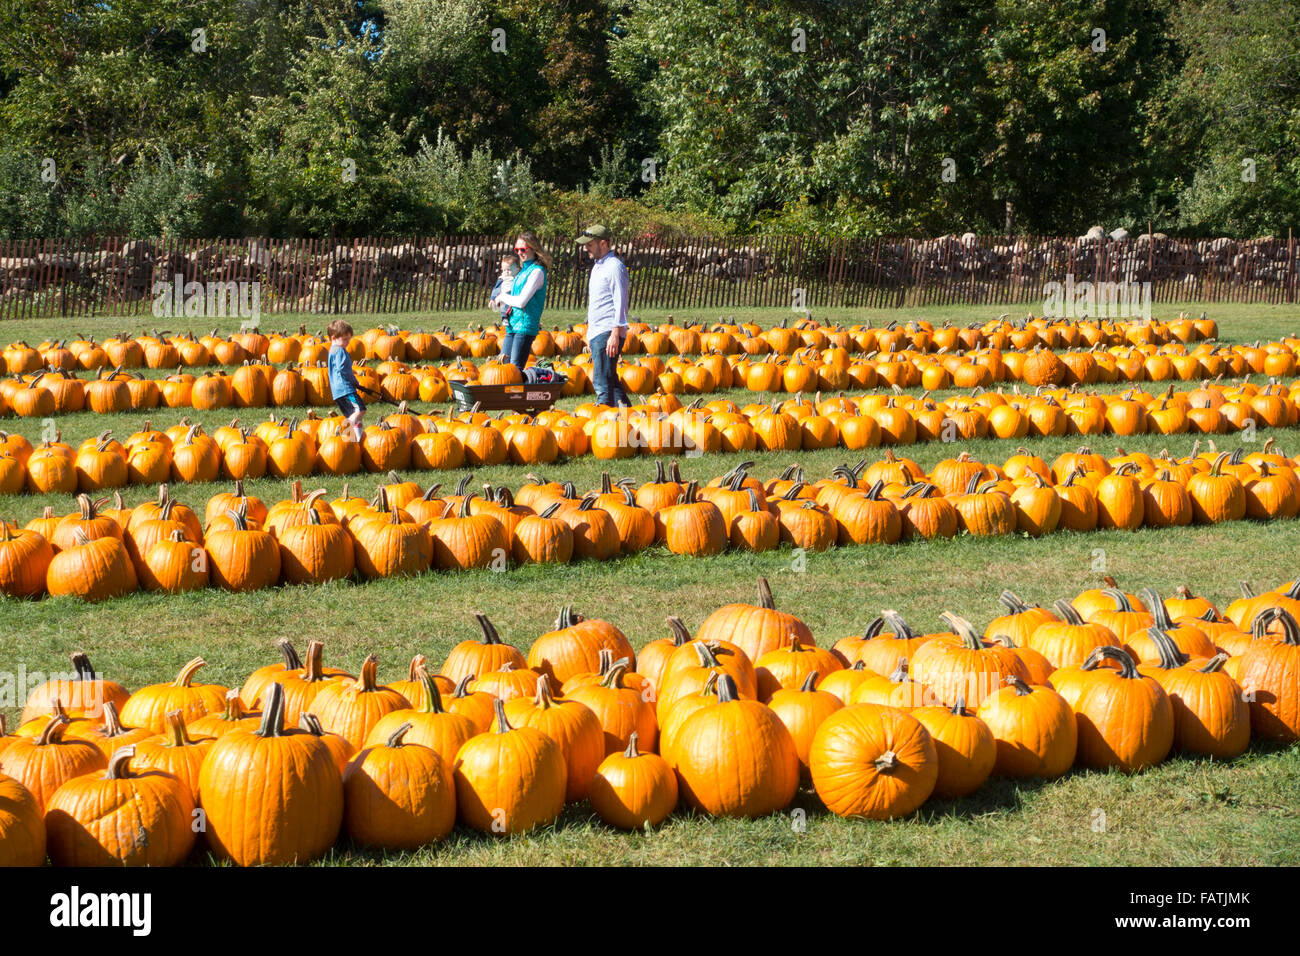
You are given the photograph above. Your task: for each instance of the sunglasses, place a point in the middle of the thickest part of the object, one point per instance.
(521, 248)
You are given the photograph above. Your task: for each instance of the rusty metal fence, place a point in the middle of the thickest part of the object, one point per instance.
(121, 276)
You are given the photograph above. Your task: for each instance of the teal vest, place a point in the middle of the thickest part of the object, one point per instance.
(528, 320)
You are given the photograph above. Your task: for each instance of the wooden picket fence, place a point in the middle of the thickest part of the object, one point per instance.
(111, 276)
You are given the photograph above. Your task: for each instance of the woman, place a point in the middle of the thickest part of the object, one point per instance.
(527, 298)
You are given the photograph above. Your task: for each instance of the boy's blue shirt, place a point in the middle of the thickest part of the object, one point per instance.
(505, 309)
(343, 381)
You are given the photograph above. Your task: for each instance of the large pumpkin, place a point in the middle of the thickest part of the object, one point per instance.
(1125, 718)
(736, 758)
(873, 761)
(481, 657)
(123, 817)
(22, 827)
(755, 629)
(1034, 729)
(509, 780)
(271, 795)
(398, 795)
(966, 667)
(573, 726)
(352, 708)
(1270, 677)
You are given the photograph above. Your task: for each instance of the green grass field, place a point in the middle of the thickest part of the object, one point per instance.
(1185, 812)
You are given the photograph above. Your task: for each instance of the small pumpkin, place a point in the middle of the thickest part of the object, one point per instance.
(398, 795)
(633, 790)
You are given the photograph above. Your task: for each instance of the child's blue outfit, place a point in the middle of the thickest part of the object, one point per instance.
(343, 382)
(505, 309)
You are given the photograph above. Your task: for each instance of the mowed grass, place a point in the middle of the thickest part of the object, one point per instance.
(1184, 812)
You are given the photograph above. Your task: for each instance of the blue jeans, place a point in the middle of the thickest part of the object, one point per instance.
(604, 374)
(517, 347)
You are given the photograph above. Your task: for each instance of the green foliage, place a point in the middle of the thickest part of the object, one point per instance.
(1238, 98)
(302, 117)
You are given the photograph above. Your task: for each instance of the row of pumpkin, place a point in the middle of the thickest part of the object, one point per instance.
(161, 350)
(728, 722)
(41, 394)
(283, 448)
(161, 545)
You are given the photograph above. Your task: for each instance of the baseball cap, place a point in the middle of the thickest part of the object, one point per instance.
(596, 231)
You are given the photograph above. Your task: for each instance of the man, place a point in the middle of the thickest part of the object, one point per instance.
(607, 298)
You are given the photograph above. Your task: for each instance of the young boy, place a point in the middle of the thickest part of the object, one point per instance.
(509, 268)
(343, 381)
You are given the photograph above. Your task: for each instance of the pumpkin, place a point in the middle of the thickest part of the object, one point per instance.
(124, 817)
(398, 795)
(175, 753)
(1270, 677)
(880, 650)
(271, 795)
(1020, 621)
(1125, 718)
(507, 682)
(1034, 729)
(620, 707)
(802, 710)
(1216, 496)
(509, 780)
(689, 669)
(574, 647)
(468, 540)
(573, 726)
(22, 826)
(45, 762)
(787, 667)
(1119, 499)
(25, 558)
(315, 552)
(413, 688)
(633, 790)
(110, 735)
(352, 708)
(301, 687)
(964, 745)
(82, 696)
(1211, 716)
(1067, 641)
(234, 717)
(340, 748)
(91, 570)
(691, 526)
(966, 667)
(873, 762)
(481, 657)
(243, 559)
(431, 725)
(256, 683)
(755, 629)
(148, 706)
(736, 758)
(653, 658)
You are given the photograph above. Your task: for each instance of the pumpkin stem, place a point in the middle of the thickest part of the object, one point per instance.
(119, 764)
(631, 752)
(1069, 613)
(809, 683)
(1012, 603)
(680, 634)
(502, 725)
(369, 682)
(1170, 655)
(176, 730)
(1159, 613)
(462, 686)
(490, 635)
(1019, 683)
(272, 712)
(1214, 664)
(959, 706)
(1127, 668)
(53, 732)
(395, 738)
(765, 599)
(81, 664)
(727, 691)
(186, 676)
(613, 677)
(963, 629)
(887, 762)
(292, 662)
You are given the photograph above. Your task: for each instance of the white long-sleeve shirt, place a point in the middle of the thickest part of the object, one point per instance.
(607, 296)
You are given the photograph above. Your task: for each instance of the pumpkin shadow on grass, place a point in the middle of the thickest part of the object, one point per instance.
(995, 794)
